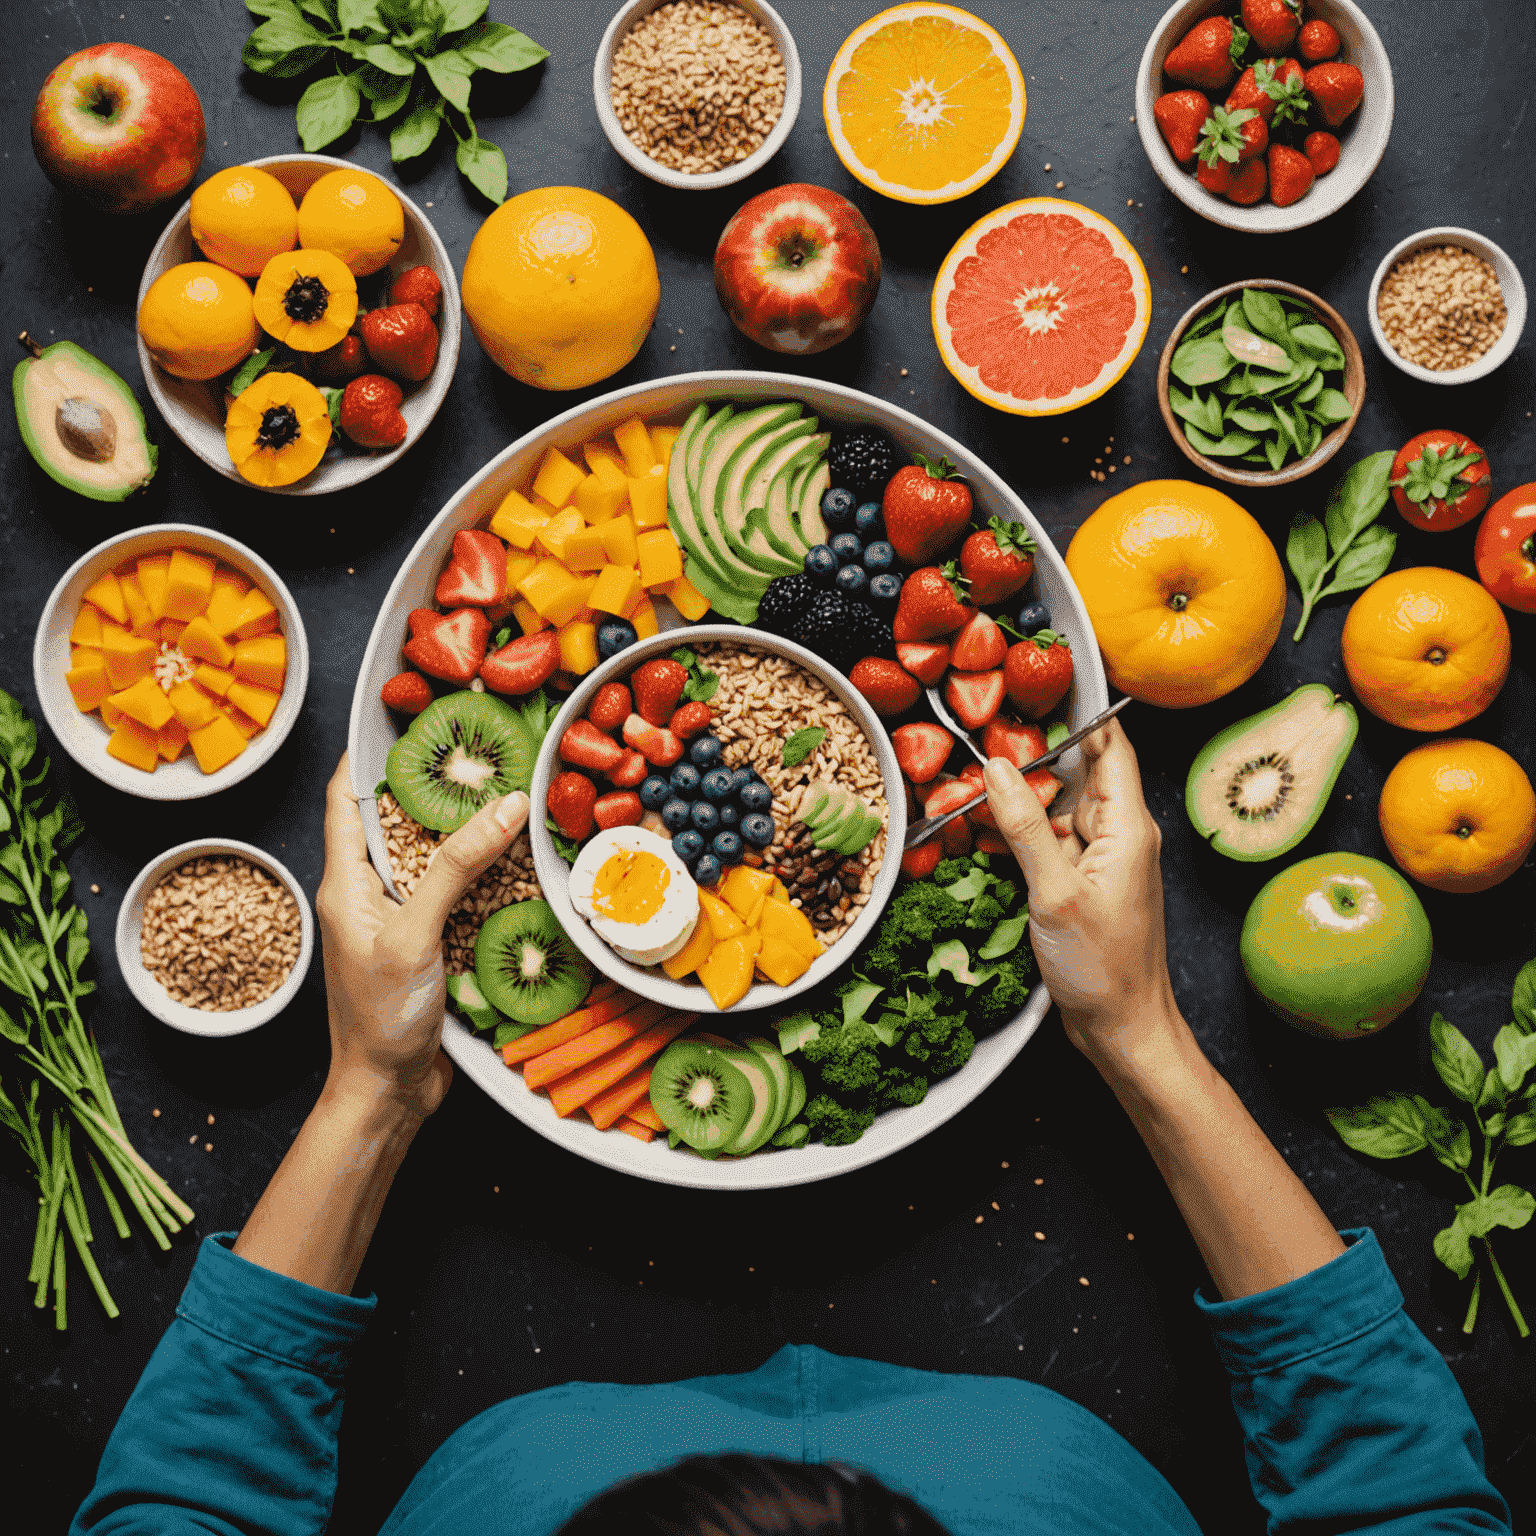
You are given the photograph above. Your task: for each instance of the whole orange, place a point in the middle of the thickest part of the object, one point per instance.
(1426, 648)
(1458, 815)
(1184, 589)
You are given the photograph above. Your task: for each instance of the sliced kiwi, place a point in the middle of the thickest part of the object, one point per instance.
(764, 1118)
(701, 1097)
(526, 967)
(460, 753)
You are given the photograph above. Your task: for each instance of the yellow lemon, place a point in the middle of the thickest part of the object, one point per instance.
(198, 320)
(242, 217)
(560, 287)
(354, 216)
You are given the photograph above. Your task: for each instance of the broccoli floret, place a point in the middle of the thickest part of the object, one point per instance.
(1005, 891)
(954, 1054)
(1001, 998)
(900, 1088)
(920, 911)
(947, 871)
(985, 914)
(838, 1124)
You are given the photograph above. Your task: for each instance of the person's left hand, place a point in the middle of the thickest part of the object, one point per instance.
(384, 978)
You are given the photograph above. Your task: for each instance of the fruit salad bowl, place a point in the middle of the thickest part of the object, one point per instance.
(373, 730)
(195, 411)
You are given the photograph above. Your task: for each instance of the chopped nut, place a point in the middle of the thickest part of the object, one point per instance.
(1441, 308)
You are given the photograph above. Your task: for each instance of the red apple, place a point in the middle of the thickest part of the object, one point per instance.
(797, 268)
(119, 125)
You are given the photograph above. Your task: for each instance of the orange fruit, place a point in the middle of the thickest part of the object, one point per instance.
(924, 103)
(198, 321)
(1040, 307)
(354, 216)
(1184, 589)
(242, 217)
(1426, 648)
(1458, 815)
(278, 429)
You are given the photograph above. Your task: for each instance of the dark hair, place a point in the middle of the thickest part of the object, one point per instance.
(737, 1495)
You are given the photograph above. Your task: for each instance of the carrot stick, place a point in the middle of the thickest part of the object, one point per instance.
(570, 1093)
(625, 1096)
(604, 988)
(565, 1059)
(635, 1129)
(645, 1113)
(589, 1016)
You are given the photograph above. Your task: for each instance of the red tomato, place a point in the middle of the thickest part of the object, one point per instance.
(1440, 480)
(1506, 549)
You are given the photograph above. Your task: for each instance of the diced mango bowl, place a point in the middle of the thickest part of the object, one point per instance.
(171, 662)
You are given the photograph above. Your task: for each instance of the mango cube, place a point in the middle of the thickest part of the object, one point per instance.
(746, 889)
(783, 923)
(662, 439)
(140, 620)
(557, 479)
(517, 520)
(257, 702)
(687, 599)
(546, 586)
(693, 954)
(727, 973)
(108, 596)
(256, 616)
(227, 579)
(171, 738)
(617, 589)
(781, 962)
(584, 550)
(660, 560)
(723, 921)
(635, 444)
(557, 532)
(527, 616)
(153, 572)
(241, 721)
(86, 630)
(217, 743)
(263, 661)
(133, 744)
(605, 461)
(145, 702)
(648, 499)
(191, 705)
(598, 499)
(518, 566)
(88, 686)
(201, 641)
(225, 611)
(643, 617)
(188, 584)
(619, 541)
(574, 604)
(128, 657)
(215, 679)
(111, 715)
(578, 646)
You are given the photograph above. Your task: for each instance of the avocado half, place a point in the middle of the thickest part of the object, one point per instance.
(81, 422)
(1257, 788)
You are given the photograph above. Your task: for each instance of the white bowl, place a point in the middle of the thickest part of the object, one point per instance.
(1363, 136)
(152, 996)
(554, 872)
(372, 732)
(84, 736)
(1510, 284)
(194, 411)
(708, 181)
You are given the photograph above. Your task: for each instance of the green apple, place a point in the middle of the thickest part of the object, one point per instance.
(1338, 945)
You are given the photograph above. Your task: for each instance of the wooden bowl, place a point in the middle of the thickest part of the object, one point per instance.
(1353, 389)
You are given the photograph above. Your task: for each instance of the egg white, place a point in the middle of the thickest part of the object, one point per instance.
(668, 929)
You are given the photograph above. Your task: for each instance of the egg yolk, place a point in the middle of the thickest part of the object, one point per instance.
(630, 887)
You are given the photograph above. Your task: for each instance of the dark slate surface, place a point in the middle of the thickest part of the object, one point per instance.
(571, 1272)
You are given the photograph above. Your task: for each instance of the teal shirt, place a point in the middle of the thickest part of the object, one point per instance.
(1351, 1420)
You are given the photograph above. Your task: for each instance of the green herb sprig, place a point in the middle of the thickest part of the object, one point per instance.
(800, 744)
(702, 683)
(1362, 547)
(411, 60)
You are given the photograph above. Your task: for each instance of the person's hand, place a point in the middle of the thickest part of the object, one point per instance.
(1095, 895)
(384, 979)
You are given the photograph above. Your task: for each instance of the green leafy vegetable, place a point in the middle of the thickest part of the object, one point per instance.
(800, 744)
(248, 371)
(566, 847)
(1362, 547)
(702, 683)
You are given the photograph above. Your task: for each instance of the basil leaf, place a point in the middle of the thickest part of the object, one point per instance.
(1366, 559)
(1207, 322)
(1274, 452)
(796, 1030)
(1388, 1125)
(388, 93)
(357, 15)
(388, 58)
(449, 72)
(326, 110)
(283, 46)
(857, 998)
(1190, 407)
(266, 8)
(246, 373)
(1266, 317)
(1506, 1206)
(1459, 1066)
(1229, 446)
(501, 49)
(1515, 1053)
(1524, 999)
(1287, 426)
(887, 1028)
(458, 14)
(1452, 1248)
(1306, 550)
(1520, 1130)
(1202, 361)
(1310, 390)
(1318, 342)
(323, 11)
(431, 22)
(1356, 499)
(1251, 418)
(485, 167)
(1331, 407)
(414, 134)
(566, 847)
(800, 744)
(1235, 385)
(1005, 938)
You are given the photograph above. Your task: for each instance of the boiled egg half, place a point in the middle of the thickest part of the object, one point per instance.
(636, 893)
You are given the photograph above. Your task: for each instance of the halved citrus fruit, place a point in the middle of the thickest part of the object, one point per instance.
(924, 103)
(1040, 307)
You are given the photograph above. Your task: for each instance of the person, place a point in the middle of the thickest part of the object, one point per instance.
(1352, 1420)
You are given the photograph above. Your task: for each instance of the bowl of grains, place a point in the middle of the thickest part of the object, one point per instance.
(1447, 306)
(214, 937)
(697, 94)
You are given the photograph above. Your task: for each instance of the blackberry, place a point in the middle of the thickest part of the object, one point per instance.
(824, 627)
(865, 633)
(864, 460)
(785, 604)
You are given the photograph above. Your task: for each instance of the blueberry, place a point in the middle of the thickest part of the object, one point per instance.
(852, 581)
(655, 792)
(820, 564)
(1034, 616)
(847, 547)
(674, 815)
(869, 521)
(837, 507)
(757, 829)
(885, 591)
(879, 558)
(707, 871)
(726, 847)
(685, 780)
(717, 784)
(729, 815)
(704, 752)
(704, 816)
(740, 779)
(755, 797)
(613, 635)
(688, 846)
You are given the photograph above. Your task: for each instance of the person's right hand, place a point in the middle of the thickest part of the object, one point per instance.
(1095, 895)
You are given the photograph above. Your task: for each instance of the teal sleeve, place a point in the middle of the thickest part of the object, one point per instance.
(232, 1427)
(1351, 1420)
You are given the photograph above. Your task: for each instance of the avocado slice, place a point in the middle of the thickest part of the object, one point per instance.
(813, 528)
(81, 422)
(797, 1094)
(860, 831)
(682, 516)
(1258, 787)
(763, 1120)
(732, 502)
(742, 512)
(783, 1078)
(780, 529)
(725, 449)
(827, 810)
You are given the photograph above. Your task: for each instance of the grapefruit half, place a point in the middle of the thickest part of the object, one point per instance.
(1040, 307)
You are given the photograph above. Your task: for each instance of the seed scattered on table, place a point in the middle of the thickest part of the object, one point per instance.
(1441, 307)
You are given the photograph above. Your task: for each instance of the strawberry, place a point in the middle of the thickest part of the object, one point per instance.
(1249, 183)
(1290, 175)
(401, 340)
(1274, 89)
(956, 838)
(421, 620)
(620, 809)
(978, 815)
(921, 749)
(658, 687)
(929, 606)
(1232, 136)
(920, 862)
(569, 803)
(926, 660)
(417, 285)
(951, 795)
(1203, 56)
(891, 690)
(655, 743)
(1038, 672)
(1272, 24)
(975, 697)
(1322, 149)
(1337, 89)
(342, 363)
(1317, 41)
(630, 770)
(563, 681)
(926, 508)
(527, 663)
(1181, 117)
(1044, 783)
(370, 412)
(979, 647)
(1219, 178)
(997, 561)
(993, 843)
(1019, 743)
(611, 706)
(587, 747)
(477, 572)
(690, 719)
(409, 692)
(453, 648)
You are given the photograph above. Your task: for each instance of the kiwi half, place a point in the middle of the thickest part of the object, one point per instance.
(460, 753)
(526, 966)
(701, 1097)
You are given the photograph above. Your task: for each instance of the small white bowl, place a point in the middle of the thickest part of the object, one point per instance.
(195, 412)
(708, 181)
(84, 736)
(1510, 285)
(1363, 136)
(149, 992)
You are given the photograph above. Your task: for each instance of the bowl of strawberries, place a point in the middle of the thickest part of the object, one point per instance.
(1267, 120)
